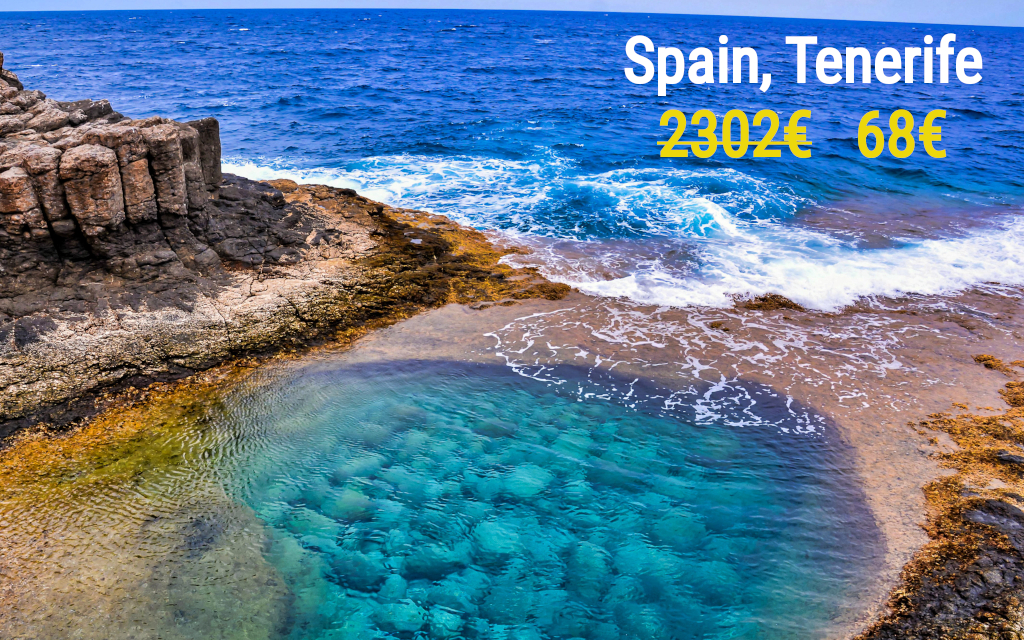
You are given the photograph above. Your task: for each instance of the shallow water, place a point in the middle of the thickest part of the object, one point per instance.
(402, 499)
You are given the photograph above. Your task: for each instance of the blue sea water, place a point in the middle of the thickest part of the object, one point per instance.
(418, 499)
(523, 122)
(466, 501)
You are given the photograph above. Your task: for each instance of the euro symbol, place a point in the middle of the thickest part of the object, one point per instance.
(929, 134)
(797, 135)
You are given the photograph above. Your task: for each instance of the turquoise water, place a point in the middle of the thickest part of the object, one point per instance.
(418, 499)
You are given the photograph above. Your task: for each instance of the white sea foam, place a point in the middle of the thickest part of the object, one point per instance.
(672, 237)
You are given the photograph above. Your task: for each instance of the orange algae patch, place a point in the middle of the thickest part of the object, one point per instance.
(108, 531)
(472, 251)
(994, 363)
(104, 447)
(458, 264)
(967, 582)
(771, 302)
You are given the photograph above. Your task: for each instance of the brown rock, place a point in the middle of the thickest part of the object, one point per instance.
(209, 150)
(26, 99)
(167, 163)
(139, 193)
(42, 164)
(42, 105)
(194, 184)
(11, 79)
(284, 185)
(10, 124)
(19, 205)
(48, 120)
(131, 150)
(9, 108)
(92, 183)
(25, 135)
(126, 141)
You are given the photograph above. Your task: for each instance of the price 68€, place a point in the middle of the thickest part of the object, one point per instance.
(901, 134)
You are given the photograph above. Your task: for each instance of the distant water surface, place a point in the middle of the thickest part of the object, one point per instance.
(524, 122)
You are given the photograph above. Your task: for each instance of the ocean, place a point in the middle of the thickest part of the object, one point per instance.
(650, 460)
(524, 123)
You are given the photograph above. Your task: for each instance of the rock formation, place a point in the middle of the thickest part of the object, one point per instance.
(126, 256)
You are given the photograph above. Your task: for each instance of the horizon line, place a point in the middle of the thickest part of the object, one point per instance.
(500, 10)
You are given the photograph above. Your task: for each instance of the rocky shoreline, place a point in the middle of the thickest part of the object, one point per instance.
(968, 581)
(126, 257)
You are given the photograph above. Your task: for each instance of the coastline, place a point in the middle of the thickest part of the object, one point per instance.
(383, 265)
(901, 468)
(342, 265)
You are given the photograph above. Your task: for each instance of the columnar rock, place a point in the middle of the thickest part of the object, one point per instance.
(194, 183)
(42, 163)
(22, 215)
(92, 183)
(209, 150)
(131, 149)
(167, 163)
(28, 260)
(104, 186)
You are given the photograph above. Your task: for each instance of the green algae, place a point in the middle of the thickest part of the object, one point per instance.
(115, 531)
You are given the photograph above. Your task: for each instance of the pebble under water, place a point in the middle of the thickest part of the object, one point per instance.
(432, 499)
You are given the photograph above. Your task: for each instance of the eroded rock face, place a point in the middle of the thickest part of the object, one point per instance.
(106, 185)
(168, 164)
(42, 163)
(18, 203)
(209, 150)
(127, 256)
(92, 185)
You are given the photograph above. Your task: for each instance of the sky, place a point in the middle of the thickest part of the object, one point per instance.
(1004, 13)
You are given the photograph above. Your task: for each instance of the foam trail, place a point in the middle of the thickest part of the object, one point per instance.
(669, 237)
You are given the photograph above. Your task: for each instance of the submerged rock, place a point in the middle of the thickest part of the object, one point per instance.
(356, 570)
(680, 529)
(347, 505)
(393, 589)
(303, 521)
(497, 538)
(444, 624)
(401, 617)
(527, 481)
(434, 561)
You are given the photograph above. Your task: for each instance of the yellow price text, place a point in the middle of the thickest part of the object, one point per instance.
(735, 139)
(901, 134)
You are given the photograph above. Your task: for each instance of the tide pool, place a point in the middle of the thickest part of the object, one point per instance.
(417, 498)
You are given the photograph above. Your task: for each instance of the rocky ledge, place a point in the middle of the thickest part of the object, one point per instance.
(126, 256)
